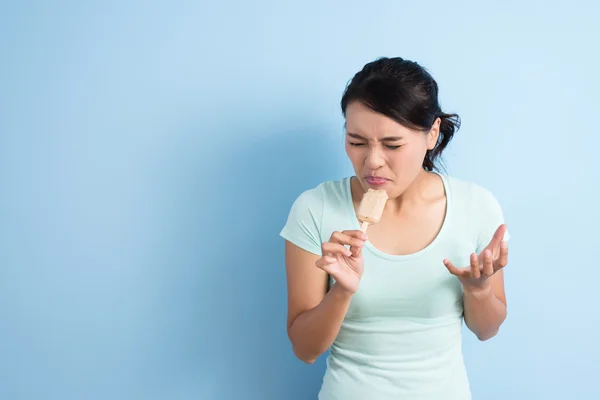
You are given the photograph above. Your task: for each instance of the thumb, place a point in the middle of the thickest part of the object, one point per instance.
(459, 272)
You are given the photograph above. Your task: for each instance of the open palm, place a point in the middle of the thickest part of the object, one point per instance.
(482, 266)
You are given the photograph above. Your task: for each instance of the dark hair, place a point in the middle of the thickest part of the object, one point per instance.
(404, 91)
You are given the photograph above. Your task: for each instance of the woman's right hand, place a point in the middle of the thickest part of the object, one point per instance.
(344, 265)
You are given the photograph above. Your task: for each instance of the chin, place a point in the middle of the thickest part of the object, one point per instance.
(396, 190)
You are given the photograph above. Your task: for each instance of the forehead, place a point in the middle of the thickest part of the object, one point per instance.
(368, 123)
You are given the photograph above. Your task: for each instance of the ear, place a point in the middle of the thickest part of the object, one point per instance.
(434, 134)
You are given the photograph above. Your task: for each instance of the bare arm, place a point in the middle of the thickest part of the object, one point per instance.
(485, 308)
(315, 315)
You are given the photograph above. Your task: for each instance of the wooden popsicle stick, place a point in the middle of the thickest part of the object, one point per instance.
(364, 226)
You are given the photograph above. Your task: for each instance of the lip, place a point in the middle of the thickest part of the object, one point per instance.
(376, 180)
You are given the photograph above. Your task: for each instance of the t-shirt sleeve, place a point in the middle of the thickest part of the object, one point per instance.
(491, 217)
(303, 225)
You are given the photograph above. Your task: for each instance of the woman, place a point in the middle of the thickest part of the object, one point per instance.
(389, 304)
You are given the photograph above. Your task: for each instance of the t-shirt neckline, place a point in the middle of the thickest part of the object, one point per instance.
(402, 257)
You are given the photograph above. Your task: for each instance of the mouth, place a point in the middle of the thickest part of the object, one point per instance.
(376, 180)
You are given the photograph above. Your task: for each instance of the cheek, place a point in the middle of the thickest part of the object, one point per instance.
(409, 158)
(418, 150)
(349, 152)
(354, 154)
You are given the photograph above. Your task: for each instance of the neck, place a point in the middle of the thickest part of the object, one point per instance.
(414, 195)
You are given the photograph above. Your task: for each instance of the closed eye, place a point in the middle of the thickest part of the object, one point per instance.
(355, 144)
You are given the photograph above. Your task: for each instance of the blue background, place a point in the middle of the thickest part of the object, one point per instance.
(150, 151)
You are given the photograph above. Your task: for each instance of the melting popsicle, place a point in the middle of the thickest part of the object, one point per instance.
(371, 207)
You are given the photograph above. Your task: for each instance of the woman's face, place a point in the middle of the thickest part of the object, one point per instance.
(385, 154)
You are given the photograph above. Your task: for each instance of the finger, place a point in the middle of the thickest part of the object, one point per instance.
(353, 239)
(346, 239)
(488, 267)
(503, 257)
(498, 237)
(331, 269)
(475, 273)
(336, 248)
(325, 261)
(356, 233)
(356, 250)
(460, 272)
(495, 253)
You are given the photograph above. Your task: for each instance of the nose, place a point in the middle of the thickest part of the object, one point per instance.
(375, 158)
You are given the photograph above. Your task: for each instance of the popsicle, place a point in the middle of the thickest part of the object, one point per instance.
(371, 207)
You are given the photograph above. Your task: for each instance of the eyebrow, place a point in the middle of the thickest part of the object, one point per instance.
(385, 139)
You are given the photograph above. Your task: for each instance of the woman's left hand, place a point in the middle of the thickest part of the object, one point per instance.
(493, 258)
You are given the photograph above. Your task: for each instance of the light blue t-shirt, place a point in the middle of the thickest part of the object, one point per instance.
(401, 337)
